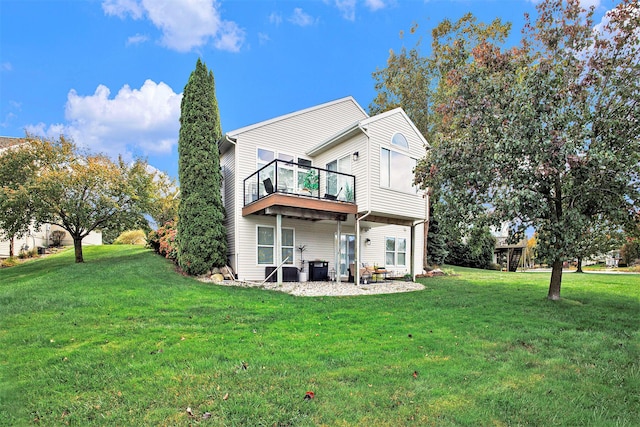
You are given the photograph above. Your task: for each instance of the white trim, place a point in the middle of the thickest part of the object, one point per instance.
(390, 187)
(258, 264)
(400, 111)
(395, 251)
(400, 147)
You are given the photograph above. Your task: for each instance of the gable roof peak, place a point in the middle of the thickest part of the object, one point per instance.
(349, 98)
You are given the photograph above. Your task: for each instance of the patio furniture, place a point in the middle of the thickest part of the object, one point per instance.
(380, 272)
(365, 273)
(268, 185)
(318, 271)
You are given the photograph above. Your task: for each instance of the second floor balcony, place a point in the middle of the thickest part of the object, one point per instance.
(300, 187)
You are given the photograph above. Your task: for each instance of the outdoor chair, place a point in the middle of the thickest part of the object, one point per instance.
(268, 186)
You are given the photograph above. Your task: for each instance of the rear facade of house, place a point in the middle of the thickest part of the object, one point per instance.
(329, 180)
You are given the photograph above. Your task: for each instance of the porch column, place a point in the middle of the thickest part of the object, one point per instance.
(338, 252)
(279, 247)
(356, 267)
(412, 260)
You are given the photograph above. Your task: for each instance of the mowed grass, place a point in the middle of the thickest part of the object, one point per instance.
(125, 340)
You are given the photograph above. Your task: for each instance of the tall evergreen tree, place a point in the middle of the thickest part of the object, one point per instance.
(201, 238)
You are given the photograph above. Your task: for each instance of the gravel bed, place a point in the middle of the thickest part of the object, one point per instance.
(315, 289)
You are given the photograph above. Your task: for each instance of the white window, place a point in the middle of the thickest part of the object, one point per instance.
(395, 251)
(340, 185)
(396, 170)
(287, 170)
(267, 245)
(399, 140)
(287, 245)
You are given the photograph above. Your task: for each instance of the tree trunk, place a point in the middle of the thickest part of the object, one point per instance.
(556, 281)
(11, 248)
(579, 270)
(77, 245)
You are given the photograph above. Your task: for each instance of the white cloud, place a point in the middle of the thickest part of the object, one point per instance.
(588, 3)
(374, 5)
(6, 66)
(263, 38)
(185, 25)
(137, 39)
(275, 18)
(300, 18)
(347, 8)
(122, 8)
(136, 121)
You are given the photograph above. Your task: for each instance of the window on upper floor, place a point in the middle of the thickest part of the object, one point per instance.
(396, 171)
(400, 140)
(338, 184)
(286, 169)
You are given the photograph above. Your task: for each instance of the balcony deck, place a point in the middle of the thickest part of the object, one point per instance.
(276, 189)
(302, 207)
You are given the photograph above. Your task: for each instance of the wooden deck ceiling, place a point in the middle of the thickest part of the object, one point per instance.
(300, 207)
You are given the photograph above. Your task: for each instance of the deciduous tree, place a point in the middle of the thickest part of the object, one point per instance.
(418, 83)
(546, 134)
(17, 165)
(82, 192)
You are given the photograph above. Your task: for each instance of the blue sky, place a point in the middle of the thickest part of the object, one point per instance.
(110, 73)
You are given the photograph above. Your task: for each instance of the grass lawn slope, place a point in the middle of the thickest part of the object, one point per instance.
(124, 340)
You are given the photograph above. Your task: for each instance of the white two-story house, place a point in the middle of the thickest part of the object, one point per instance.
(329, 180)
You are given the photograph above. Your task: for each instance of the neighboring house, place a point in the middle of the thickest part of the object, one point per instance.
(38, 237)
(330, 179)
(509, 256)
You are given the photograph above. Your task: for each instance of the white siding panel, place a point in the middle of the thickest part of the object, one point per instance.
(387, 200)
(4, 248)
(375, 253)
(318, 237)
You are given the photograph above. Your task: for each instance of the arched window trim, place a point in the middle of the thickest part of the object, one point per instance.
(404, 146)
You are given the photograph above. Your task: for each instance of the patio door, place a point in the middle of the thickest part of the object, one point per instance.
(347, 253)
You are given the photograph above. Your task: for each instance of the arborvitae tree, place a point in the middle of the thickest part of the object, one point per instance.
(201, 238)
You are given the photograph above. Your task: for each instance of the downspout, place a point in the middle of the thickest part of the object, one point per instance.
(356, 277)
(413, 237)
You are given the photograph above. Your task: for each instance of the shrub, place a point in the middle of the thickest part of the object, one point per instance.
(131, 237)
(153, 241)
(28, 253)
(56, 237)
(9, 262)
(163, 241)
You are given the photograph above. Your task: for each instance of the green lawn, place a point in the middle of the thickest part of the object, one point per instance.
(124, 340)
